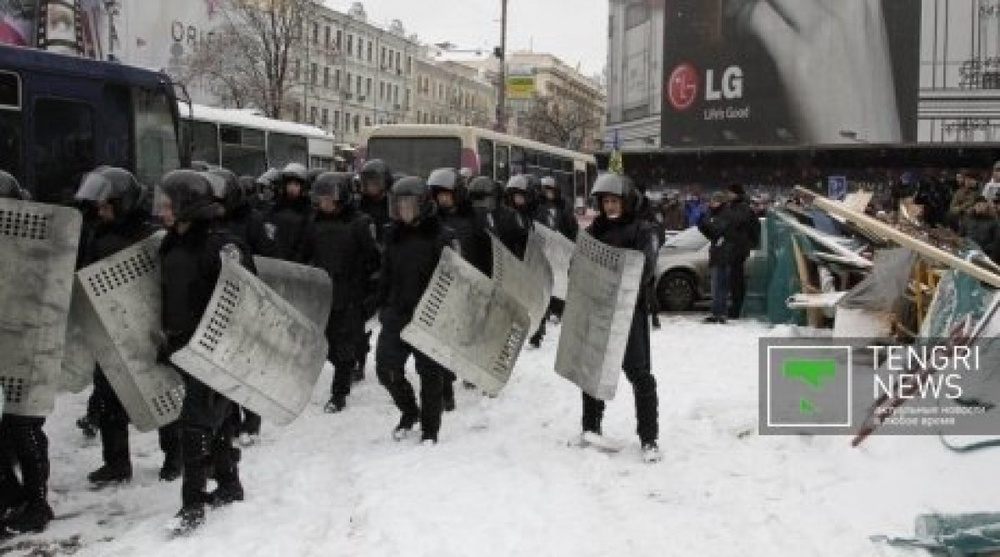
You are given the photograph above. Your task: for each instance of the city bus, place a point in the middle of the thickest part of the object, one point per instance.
(247, 143)
(61, 116)
(416, 149)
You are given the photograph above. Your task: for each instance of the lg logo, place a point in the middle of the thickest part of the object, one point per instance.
(683, 86)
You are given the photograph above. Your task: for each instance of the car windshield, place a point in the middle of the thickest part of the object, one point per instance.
(690, 238)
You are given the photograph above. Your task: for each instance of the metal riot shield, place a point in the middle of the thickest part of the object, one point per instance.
(78, 359)
(254, 347)
(468, 324)
(38, 248)
(124, 303)
(604, 285)
(528, 281)
(558, 250)
(308, 289)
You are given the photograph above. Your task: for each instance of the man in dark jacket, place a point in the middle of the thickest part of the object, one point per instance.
(557, 214)
(190, 259)
(746, 234)
(414, 242)
(341, 241)
(113, 200)
(376, 178)
(618, 225)
(717, 226)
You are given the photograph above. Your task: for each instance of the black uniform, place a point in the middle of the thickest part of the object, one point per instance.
(247, 223)
(511, 228)
(104, 407)
(190, 268)
(378, 210)
(344, 246)
(631, 233)
(285, 226)
(557, 215)
(411, 255)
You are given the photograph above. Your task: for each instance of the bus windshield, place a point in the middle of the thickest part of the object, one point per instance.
(416, 156)
(156, 151)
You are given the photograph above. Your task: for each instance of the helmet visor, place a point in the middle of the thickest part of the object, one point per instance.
(405, 208)
(94, 187)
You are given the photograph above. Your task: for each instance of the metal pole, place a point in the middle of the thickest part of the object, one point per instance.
(502, 94)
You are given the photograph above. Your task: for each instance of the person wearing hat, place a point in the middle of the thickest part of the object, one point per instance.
(718, 226)
(746, 233)
(992, 188)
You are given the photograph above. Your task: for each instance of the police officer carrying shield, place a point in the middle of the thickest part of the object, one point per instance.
(113, 202)
(190, 258)
(558, 215)
(23, 501)
(341, 241)
(618, 225)
(413, 245)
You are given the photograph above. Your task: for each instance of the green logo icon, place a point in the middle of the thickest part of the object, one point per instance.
(815, 373)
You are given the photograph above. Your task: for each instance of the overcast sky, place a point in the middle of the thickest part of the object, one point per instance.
(574, 30)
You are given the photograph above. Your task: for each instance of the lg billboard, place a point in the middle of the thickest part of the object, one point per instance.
(790, 72)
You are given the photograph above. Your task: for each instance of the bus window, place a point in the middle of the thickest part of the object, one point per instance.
(243, 150)
(156, 148)
(484, 147)
(64, 148)
(416, 156)
(283, 149)
(580, 184)
(10, 124)
(204, 141)
(531, 161)
(114, 140)
(503, 163)
(517, 160)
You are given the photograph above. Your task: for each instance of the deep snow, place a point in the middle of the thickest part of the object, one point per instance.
(504, 482)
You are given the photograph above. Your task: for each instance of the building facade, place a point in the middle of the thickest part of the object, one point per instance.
(635, 74)
(448, 92)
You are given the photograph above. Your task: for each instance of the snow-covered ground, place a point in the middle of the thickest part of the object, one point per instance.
(503, 481)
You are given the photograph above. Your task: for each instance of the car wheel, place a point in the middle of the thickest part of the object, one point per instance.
(676, 291)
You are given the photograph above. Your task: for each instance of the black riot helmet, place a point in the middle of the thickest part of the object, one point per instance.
(190, 195)
(608, 183)
(230, 195)
(312, 174)
(294, 172)
(114, 186)
(527, 185)
(269, 179)
(410, 201)
(484, 193)
(376, 178)
(448, 179)
(10, 188)
(338, 185)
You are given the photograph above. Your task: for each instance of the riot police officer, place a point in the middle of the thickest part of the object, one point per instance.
(341, 241)
(375, 180)
(23, 501)
(556, 214)
(619, 225)
(413, 245)
(285, 224)
(113, 202)
(521, 198)
(190, 258)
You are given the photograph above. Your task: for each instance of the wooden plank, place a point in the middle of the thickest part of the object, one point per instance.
(826, 241)
(923, 248)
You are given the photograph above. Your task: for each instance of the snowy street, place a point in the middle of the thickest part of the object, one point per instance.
(504, 482)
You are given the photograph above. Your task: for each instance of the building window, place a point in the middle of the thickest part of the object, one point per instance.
(313, 114)
(357, 122)
(338, 42)
(326, 116)
(395, 94)
(336, 119)
(336, 79)
(368, 87)
(382, 59)
(358, 84)
(369, 51)
(347, 85)
(399, 66)
(381, 90)
(368, 121)
(313, 73)
(315, 33)
(409, 65)
(297, 112)
(326, 36)
(326, 77)
(350, 44)
(347, 121)
(295, 71)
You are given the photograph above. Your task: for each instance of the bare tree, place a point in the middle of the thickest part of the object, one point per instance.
(564, 122)
(246, 60)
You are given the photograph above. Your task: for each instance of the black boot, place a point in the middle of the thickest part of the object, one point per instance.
(646, 409)
(11, 490)
(432, 383)
(593, 413)
(227, 475)
(197, 458)
(448, 394)
(117, 466)
(173, 452)
(31, 448)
